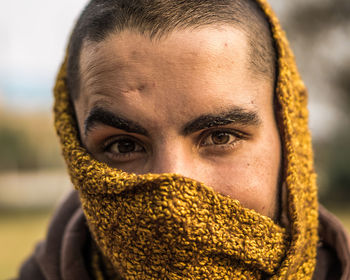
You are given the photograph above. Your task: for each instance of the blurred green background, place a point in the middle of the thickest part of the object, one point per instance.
(32, 175)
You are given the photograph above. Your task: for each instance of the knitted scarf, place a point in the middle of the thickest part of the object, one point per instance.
(167, 226)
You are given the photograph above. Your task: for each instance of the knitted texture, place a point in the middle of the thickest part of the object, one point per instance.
(169, 227)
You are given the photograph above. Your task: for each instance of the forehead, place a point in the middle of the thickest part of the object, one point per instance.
(200, 48)
(179, 76)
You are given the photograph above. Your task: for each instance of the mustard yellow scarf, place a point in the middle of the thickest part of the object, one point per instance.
(169, 227)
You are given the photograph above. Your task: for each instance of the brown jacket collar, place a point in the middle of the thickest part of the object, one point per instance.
(333, 253)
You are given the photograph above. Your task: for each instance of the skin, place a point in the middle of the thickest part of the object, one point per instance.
(186, 103)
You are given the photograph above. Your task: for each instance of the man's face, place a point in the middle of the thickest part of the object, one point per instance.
(188, 104)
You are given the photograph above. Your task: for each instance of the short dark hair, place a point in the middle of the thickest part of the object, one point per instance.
(159, 17)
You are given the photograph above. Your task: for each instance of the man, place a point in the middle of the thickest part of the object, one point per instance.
(184, 129)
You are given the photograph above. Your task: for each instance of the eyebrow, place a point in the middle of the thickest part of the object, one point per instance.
(100, 115)
(236, 115)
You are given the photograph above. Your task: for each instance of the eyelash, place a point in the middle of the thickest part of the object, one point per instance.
(238, 136)
(202, 138)
(106, 147)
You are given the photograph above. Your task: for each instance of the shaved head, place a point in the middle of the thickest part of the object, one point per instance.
(158, 18)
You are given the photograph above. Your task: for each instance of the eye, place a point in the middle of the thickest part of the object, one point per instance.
(221, 138)
(124, 146)
(123, 149)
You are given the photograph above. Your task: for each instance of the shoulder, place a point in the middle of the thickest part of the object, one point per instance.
(333, 252)
(61, 254)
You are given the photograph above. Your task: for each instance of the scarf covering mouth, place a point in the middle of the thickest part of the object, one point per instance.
(170, 227)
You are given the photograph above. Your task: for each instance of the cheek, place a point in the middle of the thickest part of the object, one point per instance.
(250, 176)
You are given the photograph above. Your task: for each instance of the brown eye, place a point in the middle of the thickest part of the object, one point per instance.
(125, 146)
(220, 138)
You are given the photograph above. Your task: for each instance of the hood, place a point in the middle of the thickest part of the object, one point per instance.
(298, 172)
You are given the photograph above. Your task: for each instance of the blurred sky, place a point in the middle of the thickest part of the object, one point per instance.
(33, 36)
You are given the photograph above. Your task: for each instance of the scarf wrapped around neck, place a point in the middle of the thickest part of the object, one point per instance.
(165, 226)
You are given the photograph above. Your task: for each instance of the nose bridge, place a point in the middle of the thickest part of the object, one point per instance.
(171, 157)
